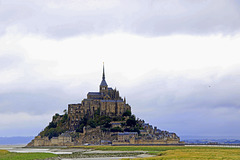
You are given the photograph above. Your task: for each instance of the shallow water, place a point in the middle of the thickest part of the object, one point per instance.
(21, 149)
(27, 150)
(6, 147)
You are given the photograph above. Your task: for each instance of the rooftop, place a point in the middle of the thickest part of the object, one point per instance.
(94, 93)
(65, 135)
(103, 83)
(111, 100)
(128, 133)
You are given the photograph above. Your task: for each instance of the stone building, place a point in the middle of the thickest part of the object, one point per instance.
(63, 139)
(126, 136)
(107, 102)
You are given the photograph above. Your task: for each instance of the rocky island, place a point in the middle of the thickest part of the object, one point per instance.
(103, 118)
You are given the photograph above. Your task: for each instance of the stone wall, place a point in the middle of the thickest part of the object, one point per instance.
(38, 141)
(144, 142)
(54, 141)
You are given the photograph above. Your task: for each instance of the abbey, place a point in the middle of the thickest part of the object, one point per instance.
(107, 101)
(102, 118)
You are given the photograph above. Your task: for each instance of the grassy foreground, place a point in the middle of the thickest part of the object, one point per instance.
(179, 152)
(6, 155)
(160, 152)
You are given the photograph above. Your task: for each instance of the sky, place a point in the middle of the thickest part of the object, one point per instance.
(176, 62)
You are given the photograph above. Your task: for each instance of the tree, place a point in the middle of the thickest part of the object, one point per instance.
(92, 123)
(80, 128)
(52, 125)
(52, 132)
(84, 120)
(97, 113)
(127, 113)
(131, 121)
(136, 130)
(117, 118)
(65, 118)
(105, 129)
(116, 129)
(56, 116)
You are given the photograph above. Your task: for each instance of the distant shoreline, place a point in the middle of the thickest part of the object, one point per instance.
(23, 141)
(16, 140)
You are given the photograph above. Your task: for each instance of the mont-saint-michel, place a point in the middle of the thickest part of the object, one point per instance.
(103, 118)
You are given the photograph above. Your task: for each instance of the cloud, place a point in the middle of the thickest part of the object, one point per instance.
(47, 62)
(38, 102)
(22, 123)
(8, 61)
(191, 88)
(24, 89)
(207, 106)
(60, 19)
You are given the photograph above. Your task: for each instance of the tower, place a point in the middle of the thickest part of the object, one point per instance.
(103, 86)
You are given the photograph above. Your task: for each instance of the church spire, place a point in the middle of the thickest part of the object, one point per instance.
(103, 76)
(103, 83)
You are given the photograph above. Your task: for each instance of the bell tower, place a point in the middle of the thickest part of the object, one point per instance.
(103, 86)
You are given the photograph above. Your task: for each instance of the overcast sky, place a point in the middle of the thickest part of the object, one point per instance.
(176, 62)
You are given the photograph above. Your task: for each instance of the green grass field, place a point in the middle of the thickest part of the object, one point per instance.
(5, 155)
(179, 152)
(160, 152)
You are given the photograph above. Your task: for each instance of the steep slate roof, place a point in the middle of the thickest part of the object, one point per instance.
(103, 83)
(111, 100)
(116, 123)
(128, 133)
(94, 93)
(65, 135)
(105, 141)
